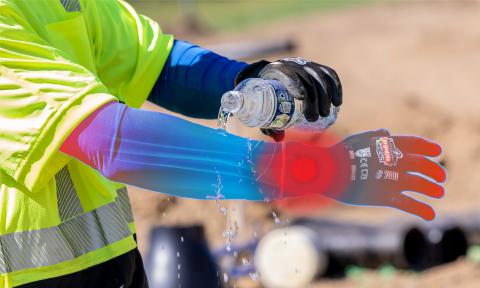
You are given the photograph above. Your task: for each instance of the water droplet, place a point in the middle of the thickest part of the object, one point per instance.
(223, 119)
(179, 266)
(223, 210)
(225, 277)
(181, 239)
(254, 276)
(276, 218)
(178, 254)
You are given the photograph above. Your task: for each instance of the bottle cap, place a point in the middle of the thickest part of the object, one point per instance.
(232, 101)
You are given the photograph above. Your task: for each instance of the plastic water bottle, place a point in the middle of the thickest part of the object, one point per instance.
(267, 104)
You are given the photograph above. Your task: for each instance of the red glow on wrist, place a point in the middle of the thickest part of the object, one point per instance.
(305, 170)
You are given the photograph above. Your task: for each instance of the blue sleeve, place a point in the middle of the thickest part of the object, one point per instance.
(172, 156)
(193, 81)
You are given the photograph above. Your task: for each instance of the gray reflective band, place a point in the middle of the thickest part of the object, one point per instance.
(71, 5)
(124, 204)
(3, 263)
(68, 202)
(71, 239)
(77, 235)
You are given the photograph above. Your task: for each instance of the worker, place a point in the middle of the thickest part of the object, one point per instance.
(73, 74)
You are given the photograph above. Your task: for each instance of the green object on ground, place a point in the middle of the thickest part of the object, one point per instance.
(387, 271)
(354, 272)
(473, 254)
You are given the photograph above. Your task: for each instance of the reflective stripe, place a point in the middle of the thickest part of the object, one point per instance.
(71, 5)
(124, 204)
(71, 239)
(68, 202)
(3, 264)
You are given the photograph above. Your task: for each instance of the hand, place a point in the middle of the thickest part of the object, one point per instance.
(318, 86)
(371, 168)
(381, 168)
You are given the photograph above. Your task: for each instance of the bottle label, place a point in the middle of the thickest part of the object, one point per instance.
(285, 106)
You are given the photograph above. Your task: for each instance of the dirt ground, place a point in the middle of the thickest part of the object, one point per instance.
(410, 67)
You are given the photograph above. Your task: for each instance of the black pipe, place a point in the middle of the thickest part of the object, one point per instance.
(338, 245)
(448, 239)
(454, 244)
(403, 246)
(415, 246)
(179, 257)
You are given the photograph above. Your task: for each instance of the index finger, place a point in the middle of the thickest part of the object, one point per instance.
(417, 145)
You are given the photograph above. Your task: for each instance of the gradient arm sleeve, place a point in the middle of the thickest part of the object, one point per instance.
(163, 153)
(193, 81)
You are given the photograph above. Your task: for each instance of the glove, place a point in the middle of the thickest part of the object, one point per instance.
(371, 168)
(318, 86)
(381, 169)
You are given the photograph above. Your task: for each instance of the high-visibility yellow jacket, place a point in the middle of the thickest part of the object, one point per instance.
(59, 61)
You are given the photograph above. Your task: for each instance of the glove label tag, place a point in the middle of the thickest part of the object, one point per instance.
(387, 153)
(353, 172)
(363, 153)
(386, 175)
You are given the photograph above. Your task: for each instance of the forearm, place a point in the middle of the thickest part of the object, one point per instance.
(163, 153)
(193, 81)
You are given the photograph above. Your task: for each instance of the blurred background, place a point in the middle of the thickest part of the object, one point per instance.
(409, 66)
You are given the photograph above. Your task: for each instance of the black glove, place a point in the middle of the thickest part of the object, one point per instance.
(318, 86)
